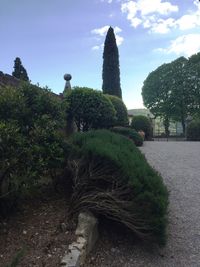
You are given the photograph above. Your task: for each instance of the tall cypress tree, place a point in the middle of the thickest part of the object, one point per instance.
(19, 71)
(111, 72)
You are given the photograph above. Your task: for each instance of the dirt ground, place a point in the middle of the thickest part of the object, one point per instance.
(36, 235)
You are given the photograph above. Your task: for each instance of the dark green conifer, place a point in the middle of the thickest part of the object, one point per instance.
(19, 71)
(111, 72)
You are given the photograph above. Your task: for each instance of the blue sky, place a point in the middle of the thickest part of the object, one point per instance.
(53, 37)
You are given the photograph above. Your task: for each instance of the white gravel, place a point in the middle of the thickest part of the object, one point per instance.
(179, 165)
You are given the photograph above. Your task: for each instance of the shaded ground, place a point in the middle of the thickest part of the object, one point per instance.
(179, 164)
(37, 234)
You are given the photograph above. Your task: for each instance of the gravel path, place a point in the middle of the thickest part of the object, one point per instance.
(179, 165)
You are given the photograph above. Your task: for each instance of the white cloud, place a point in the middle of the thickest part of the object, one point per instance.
(119, 40)
(141, 12)
(184, 45)
(102, 32)
(96, 47)
(163, 26)
(155, 15)
(156, 6)
(189, 21)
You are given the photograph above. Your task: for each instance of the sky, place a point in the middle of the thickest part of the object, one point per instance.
(54, 37)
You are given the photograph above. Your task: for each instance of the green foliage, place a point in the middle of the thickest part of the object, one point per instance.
(19, 71)
(31, 144)
(172, 90)
(193, 131)
(121, 111)
(130, 133)
(111, 72)
(112, 178)
(142, 123)
(90, 109)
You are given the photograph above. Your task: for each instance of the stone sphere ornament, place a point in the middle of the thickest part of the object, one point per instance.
(67, 77)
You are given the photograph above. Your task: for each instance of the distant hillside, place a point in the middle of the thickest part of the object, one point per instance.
(141, 111)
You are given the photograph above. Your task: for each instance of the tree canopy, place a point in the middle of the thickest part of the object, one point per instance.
(172, 91)
(111, 71)
(19, 70)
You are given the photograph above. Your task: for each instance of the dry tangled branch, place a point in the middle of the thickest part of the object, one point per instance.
(100, 189)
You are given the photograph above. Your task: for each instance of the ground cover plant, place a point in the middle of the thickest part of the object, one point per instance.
(112, 178)
(130, 133)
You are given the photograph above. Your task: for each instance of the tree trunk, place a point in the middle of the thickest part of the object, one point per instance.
(166, 125)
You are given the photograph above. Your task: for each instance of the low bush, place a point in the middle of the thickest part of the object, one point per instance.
(193, 131)
(31, 144)
(121, 111)
(112, 178)
(130, 133)
(142, 123)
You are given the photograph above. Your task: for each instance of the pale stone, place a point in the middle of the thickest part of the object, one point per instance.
(71, 259)
(87, 232)
(87, 235)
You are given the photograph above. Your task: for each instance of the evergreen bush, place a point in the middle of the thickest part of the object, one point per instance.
(90, 109)
(112, 178)
(193, 131)
(121, 111)
(130, 133)
(141, 122)
(31, 144)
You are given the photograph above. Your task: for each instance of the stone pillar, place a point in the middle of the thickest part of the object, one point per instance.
(67, 89)
(67, 78)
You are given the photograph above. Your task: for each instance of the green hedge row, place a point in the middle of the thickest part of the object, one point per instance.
(130, 133)
(111, 177)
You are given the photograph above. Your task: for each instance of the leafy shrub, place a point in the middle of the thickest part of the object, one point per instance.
(121, 111)
(193, 131)
(90, 109)
(130, 133)
(31, 143)
(112, 178)
(141, 122)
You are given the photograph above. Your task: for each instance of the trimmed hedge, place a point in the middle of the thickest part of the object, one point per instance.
(193, 131)
(130, 133)
(141, 122)
(121, 111)
(112, 178)
(90, 109)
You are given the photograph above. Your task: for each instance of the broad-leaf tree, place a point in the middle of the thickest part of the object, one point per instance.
(156, 93)
(172, 91)
(111, 71)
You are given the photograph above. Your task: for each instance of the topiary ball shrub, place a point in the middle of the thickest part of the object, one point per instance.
(112, 178)
(142, 123)
(90, 109)
(193, 131)
(130, 133)
(121, 111)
